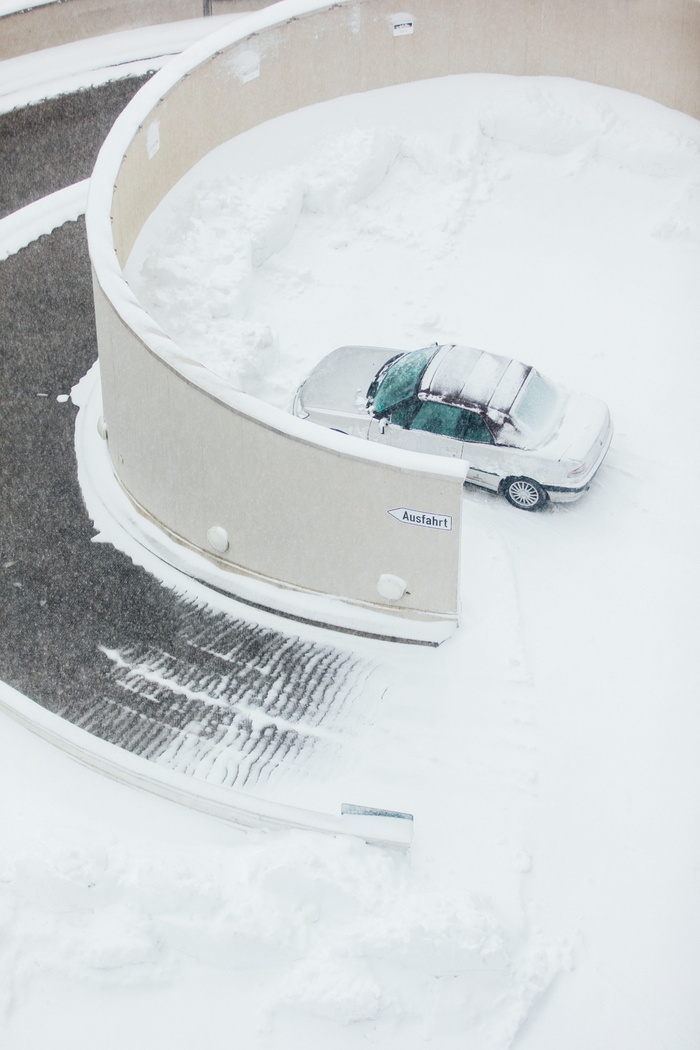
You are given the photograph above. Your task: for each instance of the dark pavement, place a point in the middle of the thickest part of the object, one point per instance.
(53, 144)
(83, 631)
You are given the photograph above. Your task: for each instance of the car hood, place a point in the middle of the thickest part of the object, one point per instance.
(584, 429)
(341, 380)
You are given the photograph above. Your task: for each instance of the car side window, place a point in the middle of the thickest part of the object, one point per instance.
(437, 418)
(402, 414)
(476, 429)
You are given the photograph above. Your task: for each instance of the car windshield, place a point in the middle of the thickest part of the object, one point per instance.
(536, 410)
(401, 379)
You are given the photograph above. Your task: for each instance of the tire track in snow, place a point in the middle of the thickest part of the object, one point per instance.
(229, 702)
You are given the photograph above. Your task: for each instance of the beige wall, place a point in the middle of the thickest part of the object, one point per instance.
(192, 456)
(295, 512)
(651, 47)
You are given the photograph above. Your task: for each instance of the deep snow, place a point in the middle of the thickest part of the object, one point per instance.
(384, 219)
(548, 752)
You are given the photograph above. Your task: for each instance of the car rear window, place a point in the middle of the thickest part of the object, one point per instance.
(538, 406)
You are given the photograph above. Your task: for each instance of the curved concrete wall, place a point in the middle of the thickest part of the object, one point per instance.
(303, 508)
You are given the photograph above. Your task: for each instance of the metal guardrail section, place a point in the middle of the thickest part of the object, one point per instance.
(377, 828)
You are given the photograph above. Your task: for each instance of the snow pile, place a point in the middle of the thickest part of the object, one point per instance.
(228, 229)
(382, 230)
(304, 927)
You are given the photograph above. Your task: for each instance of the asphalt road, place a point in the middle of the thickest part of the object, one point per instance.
(53, 144)
(83, 631)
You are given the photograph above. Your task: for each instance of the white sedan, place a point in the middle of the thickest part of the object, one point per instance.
(523, 435)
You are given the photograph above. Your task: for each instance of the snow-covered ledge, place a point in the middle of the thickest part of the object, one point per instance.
(32, 25)
(260, 494)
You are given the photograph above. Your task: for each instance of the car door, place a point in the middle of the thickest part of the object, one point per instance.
(444, 430)
(422, 426)
(481, 451)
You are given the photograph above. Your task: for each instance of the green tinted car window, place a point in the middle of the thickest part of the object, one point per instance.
(402, 379)
(440, 419)
(402, 415)
(475, 429)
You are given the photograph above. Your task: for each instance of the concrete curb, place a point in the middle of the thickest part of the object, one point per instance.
(43, 216)
(237, 808)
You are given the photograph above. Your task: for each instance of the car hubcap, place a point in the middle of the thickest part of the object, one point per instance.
(524, 494)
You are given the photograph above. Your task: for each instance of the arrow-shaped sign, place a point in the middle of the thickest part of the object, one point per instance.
(422, 517)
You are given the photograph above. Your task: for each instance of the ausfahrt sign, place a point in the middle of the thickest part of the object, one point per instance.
(422, 517)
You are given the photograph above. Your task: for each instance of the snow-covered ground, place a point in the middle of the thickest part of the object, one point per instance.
(547, 752)
(541, 218)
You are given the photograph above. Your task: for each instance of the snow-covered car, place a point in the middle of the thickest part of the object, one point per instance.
(522, 434)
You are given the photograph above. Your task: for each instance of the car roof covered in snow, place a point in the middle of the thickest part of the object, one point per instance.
(470, 378)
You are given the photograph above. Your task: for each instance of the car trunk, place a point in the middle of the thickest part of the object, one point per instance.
(341, 380)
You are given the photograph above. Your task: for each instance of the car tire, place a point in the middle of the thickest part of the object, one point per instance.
(524, 493)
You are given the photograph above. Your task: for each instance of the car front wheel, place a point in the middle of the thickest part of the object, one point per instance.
(524, 493)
